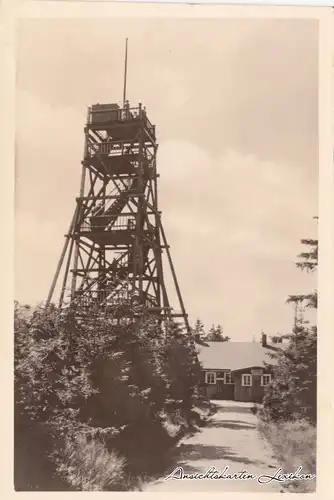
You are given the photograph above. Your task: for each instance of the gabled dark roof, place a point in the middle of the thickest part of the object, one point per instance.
(233, 355)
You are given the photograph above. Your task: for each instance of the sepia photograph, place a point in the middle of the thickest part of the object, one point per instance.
(166, 254)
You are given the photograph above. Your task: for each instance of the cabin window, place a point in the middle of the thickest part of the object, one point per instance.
(210, 378)
(265, 379)
(246, 380)
(229, 378)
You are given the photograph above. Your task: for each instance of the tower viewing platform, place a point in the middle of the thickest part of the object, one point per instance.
(120, 123)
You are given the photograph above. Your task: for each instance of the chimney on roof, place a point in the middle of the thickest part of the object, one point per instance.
(264, 340)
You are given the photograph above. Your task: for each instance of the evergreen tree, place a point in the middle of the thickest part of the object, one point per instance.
(293, 391)
(216, 334)
(198, 330)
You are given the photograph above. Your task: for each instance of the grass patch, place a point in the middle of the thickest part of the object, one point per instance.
(87, 465)
(294, 444)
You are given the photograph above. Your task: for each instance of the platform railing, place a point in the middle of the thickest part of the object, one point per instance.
(116, 148)
(112, 114)
(116, 114)
(122, 223)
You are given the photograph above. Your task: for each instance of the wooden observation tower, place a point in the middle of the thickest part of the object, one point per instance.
(114, 246)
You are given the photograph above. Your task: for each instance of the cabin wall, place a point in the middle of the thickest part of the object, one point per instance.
(253, 393)
(219, 390)
(242, 393)
(237, 392)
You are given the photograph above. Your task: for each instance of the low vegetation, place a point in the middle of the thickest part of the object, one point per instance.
(100, 400)
(294, 444)
(87, 465)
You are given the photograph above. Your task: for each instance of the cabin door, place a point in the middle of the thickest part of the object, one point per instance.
(257, 389)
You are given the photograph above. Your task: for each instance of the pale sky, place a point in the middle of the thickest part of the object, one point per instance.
(235, 108)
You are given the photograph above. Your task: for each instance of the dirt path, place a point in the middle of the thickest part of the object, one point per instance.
(229, 440)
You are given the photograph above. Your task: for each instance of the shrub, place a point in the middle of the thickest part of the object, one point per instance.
(292, 394)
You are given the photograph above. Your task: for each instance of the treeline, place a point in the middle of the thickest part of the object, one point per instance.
(100, 400)
(214, 334)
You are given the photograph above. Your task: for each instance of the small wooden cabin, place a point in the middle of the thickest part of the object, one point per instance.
(238, 371)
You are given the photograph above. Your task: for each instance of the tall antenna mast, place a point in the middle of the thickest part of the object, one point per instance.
(125, 71)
